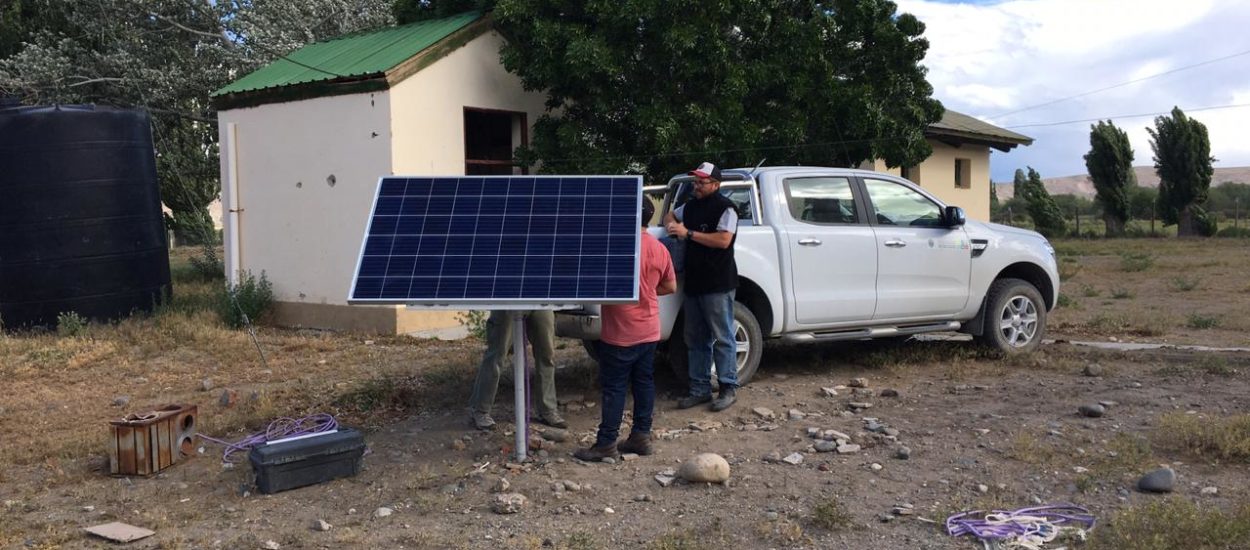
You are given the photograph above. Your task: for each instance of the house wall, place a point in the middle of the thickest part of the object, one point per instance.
(427, 123)
(937, 176)
(306, 176)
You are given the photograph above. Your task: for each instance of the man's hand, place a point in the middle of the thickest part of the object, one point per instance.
(677, 229)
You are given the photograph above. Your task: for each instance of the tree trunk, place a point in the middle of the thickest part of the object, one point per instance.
(1185, 224)
(1115, 226)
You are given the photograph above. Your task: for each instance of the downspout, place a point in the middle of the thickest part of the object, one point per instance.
(230, 200)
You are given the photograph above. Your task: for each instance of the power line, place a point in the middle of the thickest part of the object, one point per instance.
(1139, 115)
(1122, 84)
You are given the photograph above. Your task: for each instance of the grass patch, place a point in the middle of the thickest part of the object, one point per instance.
(782, 531)
(1173, 523)
(1027, 448)
(1202, 322)
(831, 515)
(1089, 291)
(1136, 261)
(1121, 293)
(1066, 301)
(71, 325)
(1224, 439)
(1068, 268)
(708, 537)
(1183, 283)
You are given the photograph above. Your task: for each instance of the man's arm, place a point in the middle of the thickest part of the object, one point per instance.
(719, 239)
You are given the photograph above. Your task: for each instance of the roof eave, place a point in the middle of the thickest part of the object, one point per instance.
(956, 138)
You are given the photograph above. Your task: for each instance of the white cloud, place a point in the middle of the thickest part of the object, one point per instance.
(988, 60)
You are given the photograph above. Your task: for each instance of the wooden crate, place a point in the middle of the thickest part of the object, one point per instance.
(143, 444)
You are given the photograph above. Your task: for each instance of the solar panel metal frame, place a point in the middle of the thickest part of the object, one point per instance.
(500, 303)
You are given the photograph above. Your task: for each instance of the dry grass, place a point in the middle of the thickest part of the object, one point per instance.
(1173, 523)
(830, 514)
(1220, 439)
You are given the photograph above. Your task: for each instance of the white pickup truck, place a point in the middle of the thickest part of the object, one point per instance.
(828, 254)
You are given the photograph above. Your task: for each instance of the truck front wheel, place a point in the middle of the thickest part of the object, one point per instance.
(1015, 317)
(748, 339)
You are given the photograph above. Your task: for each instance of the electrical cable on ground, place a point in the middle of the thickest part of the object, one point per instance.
(280, 428)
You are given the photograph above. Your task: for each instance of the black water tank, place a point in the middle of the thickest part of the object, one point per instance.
(80, 215)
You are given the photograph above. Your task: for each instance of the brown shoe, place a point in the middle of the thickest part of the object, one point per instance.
(638, 443)
(596, 454)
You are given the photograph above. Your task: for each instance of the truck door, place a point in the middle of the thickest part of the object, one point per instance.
(833, 252)
(923, 267)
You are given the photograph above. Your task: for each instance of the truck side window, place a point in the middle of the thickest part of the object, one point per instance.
(738, 194)
(823, 200)
(896, 204)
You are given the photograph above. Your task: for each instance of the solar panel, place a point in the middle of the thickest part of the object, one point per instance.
(503, 241)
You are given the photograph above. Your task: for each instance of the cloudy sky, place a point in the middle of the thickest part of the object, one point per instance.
(1001, 60)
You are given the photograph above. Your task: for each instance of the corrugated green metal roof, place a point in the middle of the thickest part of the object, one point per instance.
(354, 55)
(961, 124)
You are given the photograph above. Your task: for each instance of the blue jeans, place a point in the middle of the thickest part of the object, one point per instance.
(710, 336)
(621, 367)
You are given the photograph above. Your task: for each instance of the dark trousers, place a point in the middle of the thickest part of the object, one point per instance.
(621, 368)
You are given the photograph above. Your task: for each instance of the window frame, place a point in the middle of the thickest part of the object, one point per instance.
(861, 214)
(524, 122)
(871, 206)
(963, 167)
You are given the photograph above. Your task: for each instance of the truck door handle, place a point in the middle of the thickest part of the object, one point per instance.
(895, 243)
(809, 242)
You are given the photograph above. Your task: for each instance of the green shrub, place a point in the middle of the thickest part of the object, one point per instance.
(831, 515)
(1173, 523)
(70, 324)
(1234, 233)
(475, 322)
(207, 265)
(239, 305)
(1136, 261)
(1183, 283)
(1199, 321)
(1065, 301)
(1121, 293)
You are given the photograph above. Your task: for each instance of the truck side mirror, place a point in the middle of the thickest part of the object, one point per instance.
(954, 216)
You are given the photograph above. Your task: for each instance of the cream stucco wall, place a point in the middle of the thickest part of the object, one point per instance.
(306, 174)
(937, 176)
(428, 107)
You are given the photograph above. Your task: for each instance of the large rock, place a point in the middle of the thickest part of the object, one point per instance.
(1092, 411)
(508, 503)
(705, 468)
(1162, 480)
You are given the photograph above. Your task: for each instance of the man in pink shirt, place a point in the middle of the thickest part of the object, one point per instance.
(627, 352)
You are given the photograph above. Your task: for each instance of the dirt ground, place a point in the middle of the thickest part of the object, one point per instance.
(982, 431)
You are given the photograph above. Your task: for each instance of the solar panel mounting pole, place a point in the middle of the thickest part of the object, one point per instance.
(518, 384)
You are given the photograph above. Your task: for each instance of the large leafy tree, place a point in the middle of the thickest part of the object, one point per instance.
(1110, 165)
(1047, 217)
(164, 56)
(408, 11)
(1182, 155)
(652, 87)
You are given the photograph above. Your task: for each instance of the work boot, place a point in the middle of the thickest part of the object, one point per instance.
(727, 398)
(692, 400)
(554, 420)
(482, 421)
(638, 443)
(596, 454)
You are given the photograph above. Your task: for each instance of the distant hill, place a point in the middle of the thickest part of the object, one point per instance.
(1081, 186)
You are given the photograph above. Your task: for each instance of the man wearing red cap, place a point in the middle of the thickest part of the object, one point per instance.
(708, 224)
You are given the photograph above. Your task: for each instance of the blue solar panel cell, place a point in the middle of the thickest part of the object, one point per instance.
(501, 241)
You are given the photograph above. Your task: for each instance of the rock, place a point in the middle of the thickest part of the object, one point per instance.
(642, 498)
(206, 384)
(859, 405)
(501, 485)
(774, 456)
(382, 512)
(829, 392)
(813, 433)
(874, 426)
(764, 412)
(121, 401)
(793, 458)
(705, 468)
(1162, 480)
(271, 545)
(876, 467)
(848, 449)
(903, 453)
(321, 525)
(508, 503)
(1210, 491)
(458, 444)
(572, 486)
(823, 446)
(796, 414)
(626, 457)
(1108, 404)
(983, 488)
(664, 480)
(555, 434)
(890, 432)
(772, 516)
(858, 383)
(229, 398)
(608, 460)
(834, 435)
(704, 426)
(1092, 411)
(1093, 369)
(609, 511)
(889, 392)
(885, 518)
(87, 508)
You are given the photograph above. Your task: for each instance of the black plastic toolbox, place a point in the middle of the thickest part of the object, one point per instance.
(290, 464)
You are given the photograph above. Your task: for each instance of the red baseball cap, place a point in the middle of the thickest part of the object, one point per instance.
(706, 170)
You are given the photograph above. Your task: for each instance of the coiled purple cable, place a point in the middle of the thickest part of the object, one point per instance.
(1059, 515)
(280, 428)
